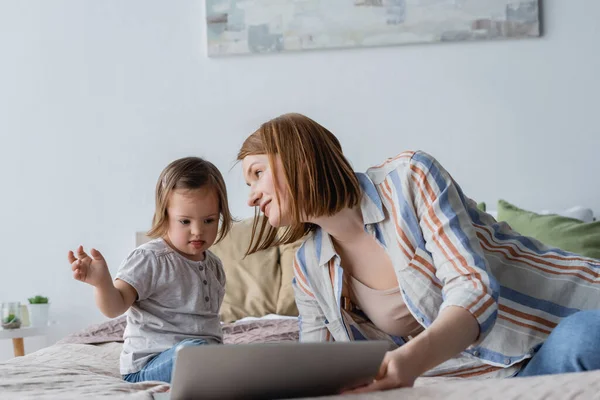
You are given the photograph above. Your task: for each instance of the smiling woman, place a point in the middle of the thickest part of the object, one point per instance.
(266, 186)
(399, 253)
(278, 166)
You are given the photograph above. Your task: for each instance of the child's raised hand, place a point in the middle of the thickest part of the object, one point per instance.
(92, 270)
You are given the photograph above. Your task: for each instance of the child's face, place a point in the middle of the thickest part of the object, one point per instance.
(264, 189)
(193, 221)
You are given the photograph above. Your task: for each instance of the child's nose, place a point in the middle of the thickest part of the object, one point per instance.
(196, 229)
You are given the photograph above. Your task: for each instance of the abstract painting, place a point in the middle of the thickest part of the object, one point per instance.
(273, 26)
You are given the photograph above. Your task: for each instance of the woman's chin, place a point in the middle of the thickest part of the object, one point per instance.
(276, 222)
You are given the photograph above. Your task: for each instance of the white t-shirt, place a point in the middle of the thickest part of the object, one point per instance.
(177, 299)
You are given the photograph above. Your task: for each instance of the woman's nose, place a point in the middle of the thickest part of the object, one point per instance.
(253, 199)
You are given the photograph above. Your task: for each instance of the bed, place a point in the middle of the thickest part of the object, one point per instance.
(85, 365)
(258, 307)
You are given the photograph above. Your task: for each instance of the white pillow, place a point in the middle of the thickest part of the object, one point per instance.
(576, 212)
(493, 213)
(269, 316)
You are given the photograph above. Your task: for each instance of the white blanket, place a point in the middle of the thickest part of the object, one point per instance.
(77, 371)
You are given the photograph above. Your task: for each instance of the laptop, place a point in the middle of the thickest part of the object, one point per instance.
(273, 370)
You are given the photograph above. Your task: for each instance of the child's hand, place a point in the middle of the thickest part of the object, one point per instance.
(92, 270)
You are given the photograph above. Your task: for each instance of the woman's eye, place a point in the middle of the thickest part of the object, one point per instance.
(258, 173)
(184, 221)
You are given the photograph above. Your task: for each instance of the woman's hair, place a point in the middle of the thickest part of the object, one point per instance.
(189, 173)
(319, 180)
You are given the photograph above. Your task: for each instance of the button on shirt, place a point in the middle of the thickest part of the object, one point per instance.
(177, 299)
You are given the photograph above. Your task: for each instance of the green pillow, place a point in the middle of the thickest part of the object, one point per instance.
(553, 230)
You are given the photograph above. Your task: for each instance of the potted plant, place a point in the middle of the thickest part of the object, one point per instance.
(11, 318)
(38, 310)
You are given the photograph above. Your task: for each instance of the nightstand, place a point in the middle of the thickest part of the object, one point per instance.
(17, 336)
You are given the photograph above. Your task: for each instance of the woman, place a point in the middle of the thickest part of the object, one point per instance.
(401, 254)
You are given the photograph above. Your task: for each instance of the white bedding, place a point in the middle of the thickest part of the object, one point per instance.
(266, 317)
(78, 371)
(71, 371)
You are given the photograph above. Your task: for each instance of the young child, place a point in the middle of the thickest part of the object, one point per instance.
(171, 287)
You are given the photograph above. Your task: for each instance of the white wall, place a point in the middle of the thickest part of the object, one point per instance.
(96, 97)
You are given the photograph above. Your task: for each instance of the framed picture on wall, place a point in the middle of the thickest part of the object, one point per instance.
(273, 26)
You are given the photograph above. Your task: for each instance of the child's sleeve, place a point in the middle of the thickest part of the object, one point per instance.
(139, 270)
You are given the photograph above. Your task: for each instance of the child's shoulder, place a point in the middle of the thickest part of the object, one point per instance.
(154, 245)
(152, 249)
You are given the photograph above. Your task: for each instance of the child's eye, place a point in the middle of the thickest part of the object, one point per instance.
(209, 221)
(184, 221)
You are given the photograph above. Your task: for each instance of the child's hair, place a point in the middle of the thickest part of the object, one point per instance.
(189, 173)
(319, 179)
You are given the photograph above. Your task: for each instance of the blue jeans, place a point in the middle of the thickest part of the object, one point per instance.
(573, 346)
(160, 367)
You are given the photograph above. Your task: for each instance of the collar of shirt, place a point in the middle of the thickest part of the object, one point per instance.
(372, 212)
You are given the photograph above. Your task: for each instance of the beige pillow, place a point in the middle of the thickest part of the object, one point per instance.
(253, 282)
(258, 284)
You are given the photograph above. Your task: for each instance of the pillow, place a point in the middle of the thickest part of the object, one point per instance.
(105, 332)
(577, 212)
(266, 329)
(553, 230)
(257, 285)
(254, 281)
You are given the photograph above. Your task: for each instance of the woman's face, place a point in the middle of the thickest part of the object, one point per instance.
(264, 189)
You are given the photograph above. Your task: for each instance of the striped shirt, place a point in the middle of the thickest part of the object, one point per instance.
(446, 252)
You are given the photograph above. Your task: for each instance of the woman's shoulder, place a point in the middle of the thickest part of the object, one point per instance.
(403, 163)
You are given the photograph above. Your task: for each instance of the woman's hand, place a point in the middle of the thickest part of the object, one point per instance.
(395, 372)
(451, 332)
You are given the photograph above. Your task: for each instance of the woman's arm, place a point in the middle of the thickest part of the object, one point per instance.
(470, 291)
(451, 238)
(451, 332)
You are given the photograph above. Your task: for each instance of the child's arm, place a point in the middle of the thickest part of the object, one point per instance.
(113, 299)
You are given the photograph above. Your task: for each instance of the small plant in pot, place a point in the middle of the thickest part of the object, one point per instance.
(11, 317)
(11, 322)
(38, 310)
(38, 300)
